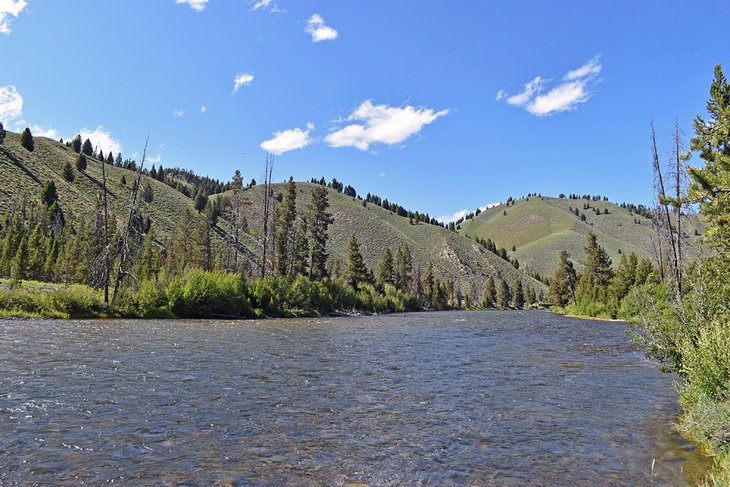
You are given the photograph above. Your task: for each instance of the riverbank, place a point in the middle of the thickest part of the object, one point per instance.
(703, 421)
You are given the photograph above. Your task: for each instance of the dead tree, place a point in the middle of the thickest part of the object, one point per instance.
(106, 234)
(124, 252)
(266, 210)
(663, 209)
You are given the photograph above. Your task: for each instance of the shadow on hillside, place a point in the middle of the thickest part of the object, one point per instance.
(99, 184)
(20, 165)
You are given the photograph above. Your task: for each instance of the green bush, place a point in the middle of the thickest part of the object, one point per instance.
(202, 294)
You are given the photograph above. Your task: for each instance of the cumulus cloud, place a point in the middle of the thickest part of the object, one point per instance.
(8, 8)
(102, 139)
(574, 89)
(178, 113)
(241, 79)
(197, 5)
(319, 30)
(382, 124)
(462, 213)
(288, 140)
(40, 131)
(11, 103)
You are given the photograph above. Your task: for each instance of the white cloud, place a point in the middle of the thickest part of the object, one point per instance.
(178, 113)
(381, 174)
(269, 5)
(241, 79)
(11, 103)
(150, 159)
(383, 124)
(319, 30)
(197, 5)
(8, 8)
(39, 131)
(102, 139)
(203, 109)
(573, 90)
(530, 89)
(591, 68)
(462, 213)
(288, 140)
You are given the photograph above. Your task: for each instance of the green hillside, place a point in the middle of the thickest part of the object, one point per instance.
(540, 227)
(23, 174)
(376, 228)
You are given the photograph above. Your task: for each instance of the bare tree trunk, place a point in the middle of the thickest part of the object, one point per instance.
(665, 209)
(678, 201)
(106, 235)
(267, 188)
(124, 254)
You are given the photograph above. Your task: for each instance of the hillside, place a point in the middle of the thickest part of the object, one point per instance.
(451, 254)
(540, 227)
(23, 174)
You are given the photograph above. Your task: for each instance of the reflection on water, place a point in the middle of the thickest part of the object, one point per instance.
(458, 398)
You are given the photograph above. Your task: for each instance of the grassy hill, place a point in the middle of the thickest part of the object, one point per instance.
(23, 174)
(451, 254)
(540, 227)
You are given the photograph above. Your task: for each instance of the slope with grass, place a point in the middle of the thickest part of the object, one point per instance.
(23, 174)
(540, 227)
(452, 255)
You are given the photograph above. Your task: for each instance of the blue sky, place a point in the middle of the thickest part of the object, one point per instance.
(438, 105)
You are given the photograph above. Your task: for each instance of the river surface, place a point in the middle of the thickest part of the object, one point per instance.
(454, 398)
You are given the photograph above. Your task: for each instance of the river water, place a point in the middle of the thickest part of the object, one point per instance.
(454, 398)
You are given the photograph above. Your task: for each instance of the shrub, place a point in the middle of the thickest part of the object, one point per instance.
(202, 294)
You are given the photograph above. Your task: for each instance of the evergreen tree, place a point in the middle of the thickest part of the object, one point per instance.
(518, 301)
(200, 201)
(26, 140)
(562, 285)
(36, 253)
(13, 235)
(68, 172)
(711, 183)
(597, 261)
(625, 276)
(386, 272)
(319, 221)
(429, 287)
(504, 295)
(287, 214)
(49, 195)
(76, 144)
(403, 268)
(87, 149)
(2, 133)
(355, 269)
(490, 294)
(81, 162)
(20, 262)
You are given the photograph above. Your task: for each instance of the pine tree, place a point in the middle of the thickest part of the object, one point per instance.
(489, 296)
(429, 286)
(36, 253)
(87, 148)
(26, 140)
(286, 217)
(319, 221)
(504, 295)
(76, 144)
(597, 261)
(81, 162)
(49, 195)
(20, 262)
(711, 183)
(13, 235)
(68, 172)
(386, 272)
(403, 268)
(518, 301)
(562, 285)
(200, 201)
(2, 133)
(355, 269)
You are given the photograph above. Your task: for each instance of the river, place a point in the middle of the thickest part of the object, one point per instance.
(452, 398)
